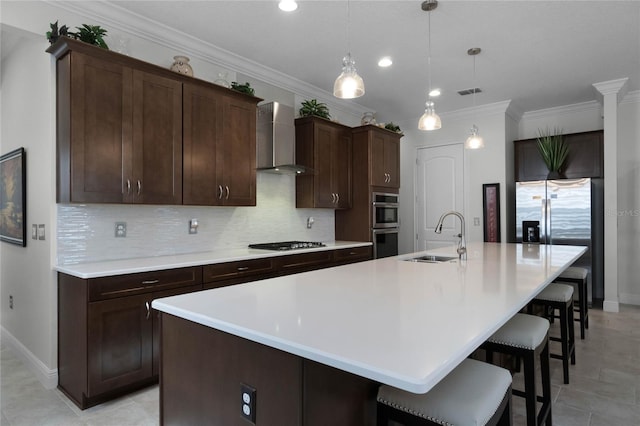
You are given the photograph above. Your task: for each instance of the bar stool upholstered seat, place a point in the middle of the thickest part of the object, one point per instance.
(527, 337)
(474, 393)
(578, 276)
(560, 296)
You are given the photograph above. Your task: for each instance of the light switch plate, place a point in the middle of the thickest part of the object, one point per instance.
(34, 231)
(41, 231)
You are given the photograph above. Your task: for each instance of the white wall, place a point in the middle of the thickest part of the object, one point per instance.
(27, 99)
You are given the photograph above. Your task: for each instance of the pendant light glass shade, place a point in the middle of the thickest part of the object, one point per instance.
(429, 120)
(474, 141)
(349, 84)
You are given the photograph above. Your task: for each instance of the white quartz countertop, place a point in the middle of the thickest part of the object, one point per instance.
(146, 264)
(405, 324)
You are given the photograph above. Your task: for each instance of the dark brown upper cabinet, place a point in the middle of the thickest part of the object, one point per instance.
(585, 158)
(121, 124)
(325, 147)
(383, 149)
(219, 148)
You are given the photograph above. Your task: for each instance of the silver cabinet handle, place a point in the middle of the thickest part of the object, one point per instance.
(139, 187)
(243, 268)
(220, 190)
(128, 187)
(227, 189)
(150, 282)
(333, 198)
(146, 304)
(337, 198)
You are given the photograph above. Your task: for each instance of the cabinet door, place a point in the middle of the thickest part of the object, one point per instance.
(155, 170)
(385, 160)
(202, 127)
(119, 343)
(392, 161)
(341, 169)
(99, 105)
(324, 150)
(237, 153)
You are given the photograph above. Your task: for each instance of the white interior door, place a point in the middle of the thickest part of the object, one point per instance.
(439, 189)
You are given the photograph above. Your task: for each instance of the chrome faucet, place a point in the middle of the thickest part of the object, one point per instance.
(462, 248)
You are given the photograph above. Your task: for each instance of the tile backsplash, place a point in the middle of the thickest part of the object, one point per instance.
(86, 232)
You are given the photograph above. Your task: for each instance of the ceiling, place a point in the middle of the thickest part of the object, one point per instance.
(539, 54)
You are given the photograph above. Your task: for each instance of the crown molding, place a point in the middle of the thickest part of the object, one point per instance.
(562, 110)
(618, 87)
(483, 110)
(116, 17)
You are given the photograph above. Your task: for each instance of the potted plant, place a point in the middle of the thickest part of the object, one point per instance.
(242, 88)
(553, 150)
(313, 107)
(92, 34)
(392, 127)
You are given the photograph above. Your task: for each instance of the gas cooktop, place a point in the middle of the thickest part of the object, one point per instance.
(287, 245)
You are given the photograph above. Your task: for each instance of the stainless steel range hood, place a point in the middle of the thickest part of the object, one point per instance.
(276, 140)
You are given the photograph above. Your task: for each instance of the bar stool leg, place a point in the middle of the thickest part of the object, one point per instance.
(583, 308)
(530, 386)
(572, 335)
(546, 384)
(564, 340)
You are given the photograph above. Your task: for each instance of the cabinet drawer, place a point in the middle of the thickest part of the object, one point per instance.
(303, 262)
(144, 282)
(240, 269)
(349, 255)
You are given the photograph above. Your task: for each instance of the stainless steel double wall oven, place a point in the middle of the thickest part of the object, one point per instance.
(385, 211)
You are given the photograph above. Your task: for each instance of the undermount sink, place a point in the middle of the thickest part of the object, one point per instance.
(430, 258)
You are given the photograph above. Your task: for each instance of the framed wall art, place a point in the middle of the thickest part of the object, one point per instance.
(13, 197)
(491, 212)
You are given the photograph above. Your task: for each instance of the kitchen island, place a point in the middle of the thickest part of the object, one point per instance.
(316, 345)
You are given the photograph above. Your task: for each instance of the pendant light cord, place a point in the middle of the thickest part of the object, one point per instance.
(429, 55)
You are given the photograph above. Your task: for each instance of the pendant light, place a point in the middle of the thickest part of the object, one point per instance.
(429, 120)
(474, 141)
(349, 84)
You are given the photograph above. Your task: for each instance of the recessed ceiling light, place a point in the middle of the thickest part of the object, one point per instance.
(288, 5)
(434, 93)
(385, 62)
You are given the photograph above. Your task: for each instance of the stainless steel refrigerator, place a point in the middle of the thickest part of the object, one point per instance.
(565, 211)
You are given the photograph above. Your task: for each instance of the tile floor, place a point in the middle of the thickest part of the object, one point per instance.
(604, 388)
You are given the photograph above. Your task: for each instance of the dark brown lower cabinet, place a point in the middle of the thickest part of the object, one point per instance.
(202, 385)
(119, 345)
(108, 335)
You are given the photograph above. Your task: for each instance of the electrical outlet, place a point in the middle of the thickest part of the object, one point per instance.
(476, 221)
(10, 301)
(248, 401)
(34, 232)
(121, 229)
(193, 226)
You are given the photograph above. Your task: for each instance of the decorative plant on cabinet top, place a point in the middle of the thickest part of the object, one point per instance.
(553, 150)
(315, 108)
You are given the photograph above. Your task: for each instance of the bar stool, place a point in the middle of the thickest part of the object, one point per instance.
(527, 337)
(474, 393)
(578, 276)
(560, 296)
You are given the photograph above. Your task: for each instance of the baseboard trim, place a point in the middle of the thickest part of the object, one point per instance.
(630, 299)
(611, 306)
(46, 376)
